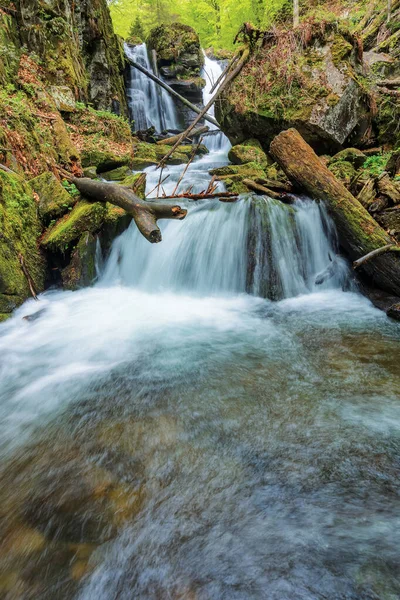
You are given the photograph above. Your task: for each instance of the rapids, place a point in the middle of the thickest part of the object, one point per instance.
(175, 432)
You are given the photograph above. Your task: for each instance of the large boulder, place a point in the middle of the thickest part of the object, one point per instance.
(315, 90)
(178, 50)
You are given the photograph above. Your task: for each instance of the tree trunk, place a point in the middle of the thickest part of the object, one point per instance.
(171, 140)
(359, 233)
(145, 214)
(296, 13)
(169, 89)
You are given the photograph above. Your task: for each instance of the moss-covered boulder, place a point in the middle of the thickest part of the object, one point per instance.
(246, 153)
(54, 200)
(146, 155)
(248, 170)
(116, 174)
(85, 216)
(351, 155)
(81, 271)
(20, 229)
(343, 170)
(178, 50)
(313, 85)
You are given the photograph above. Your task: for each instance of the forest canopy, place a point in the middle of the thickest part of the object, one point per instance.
(216, 21)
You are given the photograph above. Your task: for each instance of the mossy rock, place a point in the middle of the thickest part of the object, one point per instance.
(130, 182)
(178, 47)
(234, 183)
(85, 216)
(90, 172)
(81, 271)
(343, 170)
(251, 169)
(351, 155)
(54, 200)
(20, 229)
(4, 317)
(242, 154)
(139, 164)
(116, 174)
(103, 159)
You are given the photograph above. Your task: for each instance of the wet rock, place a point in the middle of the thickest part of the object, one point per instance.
(63, 97)
(54, 200)
(394, 312)
(81, 271)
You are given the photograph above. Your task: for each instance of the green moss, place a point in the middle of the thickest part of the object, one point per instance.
(54, 200)
(248, 170)
(177, 44)
(340, 49)
(85, 216)
(351, 155)
(343, 170)
(20, 229)
(116, 174)
(4, 317)
(242, 154)
(131, 181)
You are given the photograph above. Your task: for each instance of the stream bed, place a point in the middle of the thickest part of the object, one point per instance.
(171, 434)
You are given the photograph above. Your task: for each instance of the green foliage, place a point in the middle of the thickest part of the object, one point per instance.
(216, 21)
(375, 165)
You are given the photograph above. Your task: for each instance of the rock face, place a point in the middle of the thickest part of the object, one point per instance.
(179, 58)
(20, 227)
(314, 90)
(78, 47)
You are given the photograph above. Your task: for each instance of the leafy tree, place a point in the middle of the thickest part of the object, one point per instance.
(136, 30)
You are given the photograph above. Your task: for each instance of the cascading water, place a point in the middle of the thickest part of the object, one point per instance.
(211, 72)
(166, 435)
(149, 104)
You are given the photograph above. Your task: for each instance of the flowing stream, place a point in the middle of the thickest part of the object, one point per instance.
(204, 423)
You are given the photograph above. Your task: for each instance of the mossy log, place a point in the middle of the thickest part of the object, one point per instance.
(359, 233)
(144, 214)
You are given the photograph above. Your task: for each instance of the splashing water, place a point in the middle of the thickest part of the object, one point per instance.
(165, 434)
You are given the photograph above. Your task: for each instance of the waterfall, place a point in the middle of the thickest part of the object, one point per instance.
(258, 245)
(211, 71)
(149, 104)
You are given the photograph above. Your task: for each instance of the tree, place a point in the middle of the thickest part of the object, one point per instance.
(136, 30)
(296, 13)
(389, 10)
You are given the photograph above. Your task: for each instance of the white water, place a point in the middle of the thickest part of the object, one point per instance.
(149, 104)
(211, 72)
(261, 435)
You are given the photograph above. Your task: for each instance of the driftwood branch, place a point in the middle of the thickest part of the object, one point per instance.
(169, 89)
(374, 254)
(144, 214)
(223, 196)
(240, 64)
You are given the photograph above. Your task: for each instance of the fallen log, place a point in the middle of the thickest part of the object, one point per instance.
(223, 196)
(374, 254)
(358, 232)
(192, 134)
(388, 188)
(145, 214)
(256, 187)
(169, 89)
